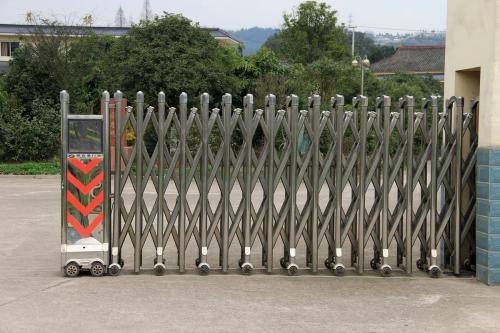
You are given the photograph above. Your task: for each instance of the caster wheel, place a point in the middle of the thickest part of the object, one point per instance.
(247, 268)
(203, 268)
(240, 263)
(197, 262)
(328, 263)
(373, 264)
(114, 269)
(283, 263)
(121, 263)
(159, 269)
(467, 264)
(72, 269)
(385, 270)
(420, 264)
(434, 272)
(339, 270)
(97, 269)
(292, 269)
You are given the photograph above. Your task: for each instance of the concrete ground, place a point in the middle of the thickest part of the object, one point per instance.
(35, 297)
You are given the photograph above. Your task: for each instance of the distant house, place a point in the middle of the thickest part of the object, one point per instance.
(11, 34)
(418, 60)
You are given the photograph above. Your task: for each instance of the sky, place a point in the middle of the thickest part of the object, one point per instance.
(369, 15)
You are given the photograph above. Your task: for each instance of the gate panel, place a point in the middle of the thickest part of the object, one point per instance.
(396, 182)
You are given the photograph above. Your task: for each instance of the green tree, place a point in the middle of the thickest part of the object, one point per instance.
(171, 54)
(311, 33)
(403, 84)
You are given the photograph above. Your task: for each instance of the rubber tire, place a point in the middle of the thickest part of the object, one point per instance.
(373, 264)
(246, 268)
(420, 265)
(339, 270)
(385, 271)
(435, 272)
(292, 270)
(328, 263)
(72, 270)
(114, 270)
(97, 269)
(283, 262)
(203, 268)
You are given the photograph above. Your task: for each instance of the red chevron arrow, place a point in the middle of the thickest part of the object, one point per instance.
(85, 232)
(85, 210)
(85, 168)
(85, 189)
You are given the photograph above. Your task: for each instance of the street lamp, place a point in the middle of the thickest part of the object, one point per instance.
(365, 65)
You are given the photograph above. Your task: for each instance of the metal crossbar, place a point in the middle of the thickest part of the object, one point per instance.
(393, 181)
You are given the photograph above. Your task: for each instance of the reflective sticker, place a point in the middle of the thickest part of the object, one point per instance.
(338, 252)
(114, 251)
(385, 253)
(204, 250)
(85, 231)
(85, 210)
(292, 252)
(85, 189)
(247, 250)
(159, 251)
(434, 253)
(85, 168)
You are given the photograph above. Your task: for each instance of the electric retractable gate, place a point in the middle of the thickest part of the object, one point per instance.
(227, 187)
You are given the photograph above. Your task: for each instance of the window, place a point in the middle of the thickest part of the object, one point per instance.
(7, 48)
(13, 47)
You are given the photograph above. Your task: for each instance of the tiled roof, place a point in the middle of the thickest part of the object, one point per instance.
(412, 59)
(26, 29)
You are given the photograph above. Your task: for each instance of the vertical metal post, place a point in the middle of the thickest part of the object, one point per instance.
(138, 182)
(226, 194)
(338, 112)
(118, 97)
(385, 103)
(107, 173)
(458, 181)
(410, 133)
(160, 265)
(247, 194)
(64, 100)
(293, 115)
(316, 114)
(204, 100)
(270, 114)
(362, 103)
(434, 188)
(182, 181)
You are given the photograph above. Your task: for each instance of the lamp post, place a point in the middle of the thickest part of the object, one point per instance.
(364, 64)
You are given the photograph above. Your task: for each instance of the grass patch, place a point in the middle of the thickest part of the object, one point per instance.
(30, 168)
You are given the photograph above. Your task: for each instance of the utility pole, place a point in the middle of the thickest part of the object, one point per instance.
(147, 13)
(351, 26)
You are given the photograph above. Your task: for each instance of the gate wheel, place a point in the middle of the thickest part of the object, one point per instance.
(283, 262)
(72, 269)
(420, 264)
(97, 269)
(114, 269)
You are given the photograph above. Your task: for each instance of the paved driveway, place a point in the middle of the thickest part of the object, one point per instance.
(35, 297)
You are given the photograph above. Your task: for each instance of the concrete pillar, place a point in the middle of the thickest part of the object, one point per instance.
(473, 71)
